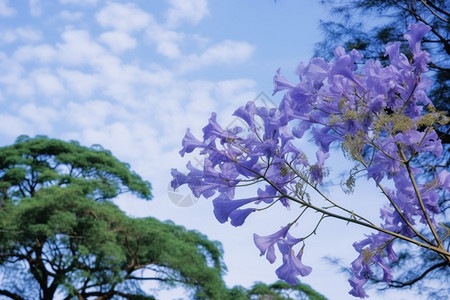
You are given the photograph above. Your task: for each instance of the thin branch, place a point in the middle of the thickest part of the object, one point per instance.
(11, 295)
(351, 220)
(399, 284)
(422, 206)
(433, 12)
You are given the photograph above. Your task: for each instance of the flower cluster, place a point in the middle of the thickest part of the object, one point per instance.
(380, 116)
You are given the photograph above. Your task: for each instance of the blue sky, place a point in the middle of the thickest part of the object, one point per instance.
(133, 75)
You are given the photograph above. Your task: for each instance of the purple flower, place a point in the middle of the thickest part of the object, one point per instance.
(317, 70)
(281, 83)
(248, 166)
(267, 194)
(238, 216)
(317, 170)
(345, 64)
(299, 130)
(357, 283)
(397, 59)
(194, 177)
(190, 143)
(292, 265)
(323, 138)
(247, 113)
(178, 179)
(213, 129)
(265, 244)
(223, 206)
(415, 34)
(443, 179)
(387, 272)
(383, 164)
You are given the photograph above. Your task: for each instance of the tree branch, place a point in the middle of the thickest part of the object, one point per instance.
(399, 284)
(11, 295)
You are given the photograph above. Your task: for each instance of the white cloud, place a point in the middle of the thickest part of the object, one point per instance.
(70, 15)
(125, 17)
(94, 114)
(129, 141)
(12, 77)
(35, 7)
(167, 41)
(78, 48)
(8, 36)
(113, 77)
(79, 2)
(23, 34)
(39, 53)
(226, 52)
(13, 125)
(81, 84)
(40, 118)
(47, 83)
(191, 11)
(5, 10)
(118, 41)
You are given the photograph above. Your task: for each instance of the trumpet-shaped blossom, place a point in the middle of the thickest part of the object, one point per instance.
(238, 216)
(265, 244)
(223, 206)
(292, 265)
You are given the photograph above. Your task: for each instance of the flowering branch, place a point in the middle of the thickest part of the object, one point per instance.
(375, 113)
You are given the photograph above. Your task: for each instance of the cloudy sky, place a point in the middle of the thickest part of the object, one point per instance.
(133, 75)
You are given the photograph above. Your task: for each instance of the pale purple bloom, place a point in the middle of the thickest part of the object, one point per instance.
(415, 34)
(247, 113)
(357, 283)
(323, 137)
(299, 130)
(265, 244)
(345, 64)
(292, 265)
(223, 206)
(281, 83)
(194, 177)
(317, 70)
(443, 179)
(238, 216)
(387, 272)
(190, 143)
(397, 59)
(213, 129)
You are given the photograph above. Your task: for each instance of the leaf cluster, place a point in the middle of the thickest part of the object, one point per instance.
(34, 163)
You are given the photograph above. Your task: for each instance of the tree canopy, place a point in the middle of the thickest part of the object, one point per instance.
(279, 290)
(60, 235)
(31, 164)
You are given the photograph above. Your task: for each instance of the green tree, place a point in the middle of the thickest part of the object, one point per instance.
(279, 290)
(61, 236)
(367, 25)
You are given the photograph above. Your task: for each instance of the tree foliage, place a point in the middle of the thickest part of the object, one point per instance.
(279, 290)
(60, 235)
